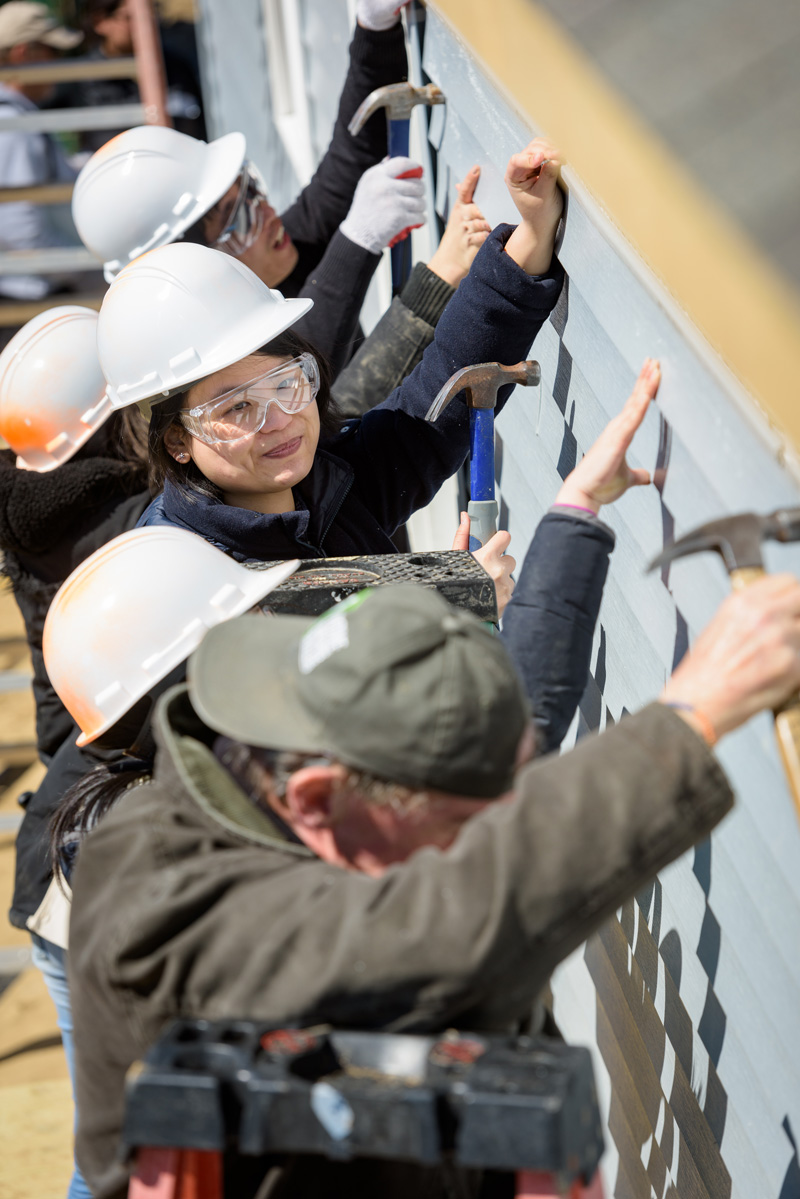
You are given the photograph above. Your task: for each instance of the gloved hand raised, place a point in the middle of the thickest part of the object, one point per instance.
(379, 14)
(385, 206)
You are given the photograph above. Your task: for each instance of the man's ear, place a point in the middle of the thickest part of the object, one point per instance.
(310, 795)
(177, 440)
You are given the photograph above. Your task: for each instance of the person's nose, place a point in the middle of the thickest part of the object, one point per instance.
(276, 419)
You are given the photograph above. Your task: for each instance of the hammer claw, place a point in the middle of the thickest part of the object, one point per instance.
(482, 383)
(398, 99)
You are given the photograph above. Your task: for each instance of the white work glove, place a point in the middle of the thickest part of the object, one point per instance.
(385, 206)
(379, 14)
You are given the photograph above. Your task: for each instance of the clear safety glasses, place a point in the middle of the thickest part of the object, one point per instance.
(247, 216)
(243, 411)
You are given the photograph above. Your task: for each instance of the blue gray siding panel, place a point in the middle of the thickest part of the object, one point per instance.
(692, 997)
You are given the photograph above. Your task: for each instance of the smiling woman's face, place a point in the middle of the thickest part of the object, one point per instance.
(257, 471)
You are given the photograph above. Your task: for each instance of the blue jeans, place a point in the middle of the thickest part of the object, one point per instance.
(52, 961)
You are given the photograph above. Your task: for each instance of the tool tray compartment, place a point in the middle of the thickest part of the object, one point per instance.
(492, 1102)
(319, 583)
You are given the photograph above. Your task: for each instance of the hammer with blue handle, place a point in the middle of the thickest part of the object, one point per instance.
(480, 385)
(398, 99)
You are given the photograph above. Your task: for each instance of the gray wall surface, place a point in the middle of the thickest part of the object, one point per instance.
(719, 81)
(691, 997)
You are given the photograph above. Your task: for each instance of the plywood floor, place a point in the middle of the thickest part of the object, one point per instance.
(35, 1098)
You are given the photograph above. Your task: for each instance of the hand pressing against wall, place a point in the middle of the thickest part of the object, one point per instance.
(532, 177)
(464, 234)
(603, 474)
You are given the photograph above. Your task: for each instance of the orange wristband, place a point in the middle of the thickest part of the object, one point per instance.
(706, 727)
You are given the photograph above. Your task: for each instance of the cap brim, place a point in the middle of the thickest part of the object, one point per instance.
(243, 683)
(61, 38)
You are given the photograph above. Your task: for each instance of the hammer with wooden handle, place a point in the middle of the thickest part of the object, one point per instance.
(398, 99)
(481, 384)
(738, 540)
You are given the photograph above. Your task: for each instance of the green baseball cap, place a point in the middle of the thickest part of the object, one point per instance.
(393, 681)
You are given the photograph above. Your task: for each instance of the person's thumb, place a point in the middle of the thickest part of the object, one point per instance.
(461, 539)
(498, 543)
(466, 188)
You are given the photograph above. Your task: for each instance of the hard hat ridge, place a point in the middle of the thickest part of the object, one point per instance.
(146, 187)
(133, 611)
(179, 313)
(52, 390)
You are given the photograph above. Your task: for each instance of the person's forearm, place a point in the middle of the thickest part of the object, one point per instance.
(548, 626)
(395, 345)
(338, 287)
(376, 59)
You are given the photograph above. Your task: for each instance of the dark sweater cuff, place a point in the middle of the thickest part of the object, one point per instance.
(426, 294)
(378, 48)
(666, 735)
(340, 257)
(589, 518)
(501, 271)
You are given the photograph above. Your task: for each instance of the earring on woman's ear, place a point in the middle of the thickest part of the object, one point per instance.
(184, 457)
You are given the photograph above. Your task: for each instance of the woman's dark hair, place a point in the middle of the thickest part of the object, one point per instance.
(86, 802)
(166, 414)
(122, 437)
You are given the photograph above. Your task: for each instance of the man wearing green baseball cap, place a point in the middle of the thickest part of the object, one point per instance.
(322, 841)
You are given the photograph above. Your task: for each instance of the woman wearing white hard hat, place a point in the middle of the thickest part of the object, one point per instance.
(241, 431)
(74, 475)
(151, 186)
(167, 587)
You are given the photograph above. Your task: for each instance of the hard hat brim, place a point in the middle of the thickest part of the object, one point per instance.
(250, 336)
(255, 589)
(224, 158)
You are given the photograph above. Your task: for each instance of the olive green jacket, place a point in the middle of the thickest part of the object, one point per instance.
(189, 901)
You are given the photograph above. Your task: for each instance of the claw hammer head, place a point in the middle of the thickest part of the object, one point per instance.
(398, 99)
(737, 539)
(482, 383)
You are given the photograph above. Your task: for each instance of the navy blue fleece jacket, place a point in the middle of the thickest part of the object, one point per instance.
(380, 469)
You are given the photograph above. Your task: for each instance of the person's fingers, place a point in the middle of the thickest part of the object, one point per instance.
(476, 239)
(638, 477)
(461, 539)
(540, 159)
(509, 563)
(466, 188)
(498, 543)
(781, 592)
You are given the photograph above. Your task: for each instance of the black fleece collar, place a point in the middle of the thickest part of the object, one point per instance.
(38, 510)
(250, 536)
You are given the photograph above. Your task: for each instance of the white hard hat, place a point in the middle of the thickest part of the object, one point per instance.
(132, 612)
(146, 187)
(180, 313)
(52, 391)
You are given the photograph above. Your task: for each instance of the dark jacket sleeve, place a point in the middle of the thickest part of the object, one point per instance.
(338, 287)
(549, 622)
(376, 59)
(400, 460)
(395, 345)
(463, 937)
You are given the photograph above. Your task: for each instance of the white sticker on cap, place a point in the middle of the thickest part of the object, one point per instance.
(323, 639)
